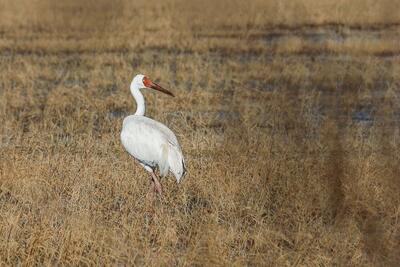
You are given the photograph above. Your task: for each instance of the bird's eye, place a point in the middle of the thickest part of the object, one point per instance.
(146, 81)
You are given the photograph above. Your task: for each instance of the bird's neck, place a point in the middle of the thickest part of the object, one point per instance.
(140, 105)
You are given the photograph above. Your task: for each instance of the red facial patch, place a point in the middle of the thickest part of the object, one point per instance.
(147, 82)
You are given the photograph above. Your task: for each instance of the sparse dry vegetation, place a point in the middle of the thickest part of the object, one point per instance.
(288, 113)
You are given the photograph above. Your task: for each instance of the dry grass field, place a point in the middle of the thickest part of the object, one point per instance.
(288, 113)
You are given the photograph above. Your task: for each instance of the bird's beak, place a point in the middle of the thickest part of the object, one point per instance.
(159, 88)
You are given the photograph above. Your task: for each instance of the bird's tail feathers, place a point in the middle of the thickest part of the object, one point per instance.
(176, 163)
(164, 161)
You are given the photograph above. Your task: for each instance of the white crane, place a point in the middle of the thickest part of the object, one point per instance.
(152, 143)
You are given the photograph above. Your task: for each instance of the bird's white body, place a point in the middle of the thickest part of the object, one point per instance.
(152, 143)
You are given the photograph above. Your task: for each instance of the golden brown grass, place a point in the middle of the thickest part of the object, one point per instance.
(287, 112)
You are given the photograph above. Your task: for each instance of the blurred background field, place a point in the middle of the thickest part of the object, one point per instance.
(288, 113)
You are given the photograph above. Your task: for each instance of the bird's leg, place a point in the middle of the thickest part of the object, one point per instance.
(156, 184)
(152, 189)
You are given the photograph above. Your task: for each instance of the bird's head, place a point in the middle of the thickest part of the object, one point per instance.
(141, 81)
